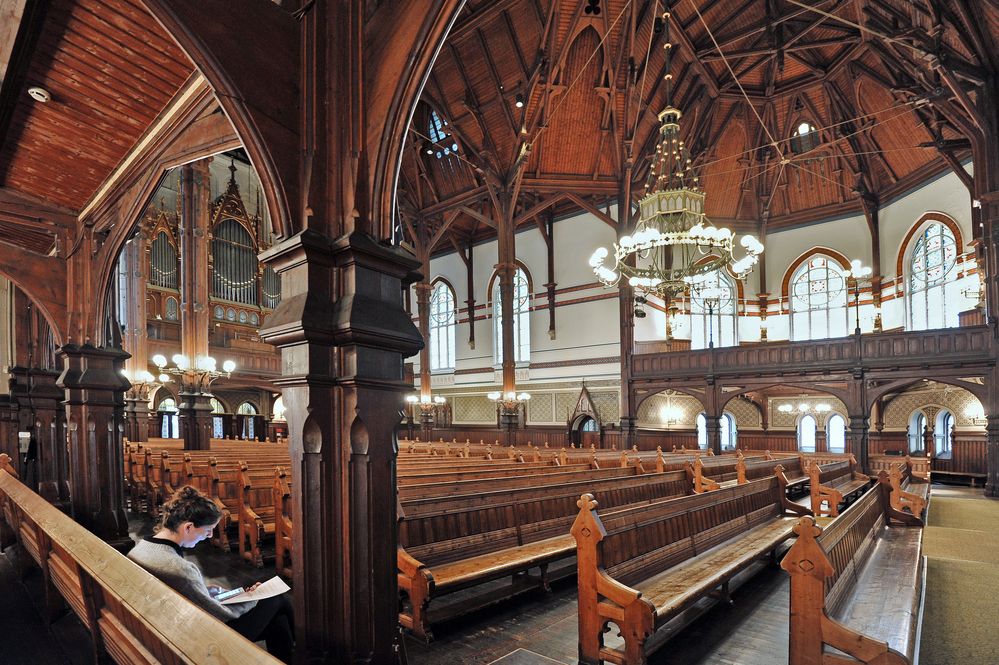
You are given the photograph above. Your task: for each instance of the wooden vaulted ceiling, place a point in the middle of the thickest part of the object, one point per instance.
(110, 69)
(592, 99)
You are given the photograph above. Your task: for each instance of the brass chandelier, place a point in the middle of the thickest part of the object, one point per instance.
(674, 246)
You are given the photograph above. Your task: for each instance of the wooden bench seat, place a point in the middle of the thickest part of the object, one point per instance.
(832, 485)
(639, 568)
(133, 618)
(505, 481)
(450, 543)
(855, 585)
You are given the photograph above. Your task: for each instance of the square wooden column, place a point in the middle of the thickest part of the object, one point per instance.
(40, 412)
(343, 335)
(94, 406)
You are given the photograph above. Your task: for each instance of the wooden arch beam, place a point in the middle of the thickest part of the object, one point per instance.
(41, 278)
(256, 87)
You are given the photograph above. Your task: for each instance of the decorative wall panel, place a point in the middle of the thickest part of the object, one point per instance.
(654, 410)
(474, 409)
(954, 399)
(541, 408)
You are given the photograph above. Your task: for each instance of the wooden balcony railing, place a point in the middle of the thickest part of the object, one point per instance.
(951, 346)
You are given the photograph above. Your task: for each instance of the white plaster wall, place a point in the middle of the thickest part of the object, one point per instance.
(590, 330)
(583, 330)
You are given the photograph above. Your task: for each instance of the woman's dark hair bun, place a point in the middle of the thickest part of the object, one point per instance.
(189, 505)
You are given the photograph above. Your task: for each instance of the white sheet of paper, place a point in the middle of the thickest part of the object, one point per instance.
(275, 586)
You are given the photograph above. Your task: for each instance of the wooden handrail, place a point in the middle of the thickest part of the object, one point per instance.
(181, 627)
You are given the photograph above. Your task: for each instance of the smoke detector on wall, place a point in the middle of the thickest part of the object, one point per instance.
(39, 94)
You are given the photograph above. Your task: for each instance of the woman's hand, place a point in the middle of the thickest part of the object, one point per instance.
(253, 587)
(214, 590)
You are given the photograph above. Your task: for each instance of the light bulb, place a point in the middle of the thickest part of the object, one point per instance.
(164, 378)
(147, 377)
(229, 366)
(494, 396)
(411, 399)
(159, 360)
(523, 397)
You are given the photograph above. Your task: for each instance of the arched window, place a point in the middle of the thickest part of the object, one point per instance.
(279, 409)
(443, 322)
(169, 420)
(805, 138)
(234, 261)
(521, 318)
(443, 142)
(818, 300)
(217, 410)
(590, 425)
(271, 288)
(934, 296)
(806, 434)
(702, 432)
(917, 431)
(729, 433)
(712, 311)
(943, 432)
(172, 309)
(248, 411)
(163, 262)
(836, 433)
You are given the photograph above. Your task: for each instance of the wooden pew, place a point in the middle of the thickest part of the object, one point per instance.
(132, 617)
(282, 521)
(641, 567)
(455, 542)
(256, 515)
(855, 585)
(834, 484)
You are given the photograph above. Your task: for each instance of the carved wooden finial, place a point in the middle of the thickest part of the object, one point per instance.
(546, 444)
(711, 452)
(634, 449)
(587, 502)
(674, 449)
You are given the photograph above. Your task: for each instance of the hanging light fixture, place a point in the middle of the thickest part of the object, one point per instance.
(674, 245)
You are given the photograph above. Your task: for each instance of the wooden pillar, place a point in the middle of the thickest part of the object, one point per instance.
(195, 193)
(342, 388)
(8, 430)
(626, 308)
(94, 411)
(506, 268)
(712, 430)
(470, 288)
(550, 284)
(857, 437)
(40, 412)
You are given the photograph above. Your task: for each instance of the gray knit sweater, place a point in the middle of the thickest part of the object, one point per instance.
(168, 564)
